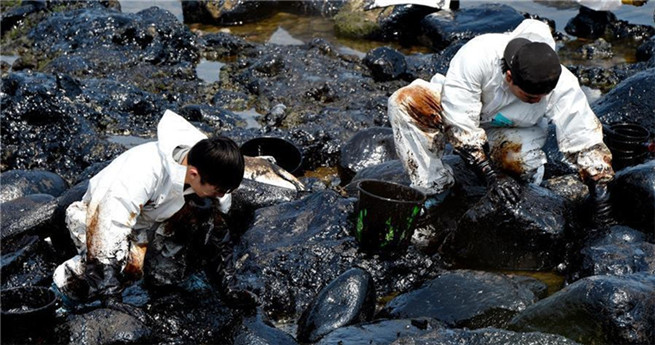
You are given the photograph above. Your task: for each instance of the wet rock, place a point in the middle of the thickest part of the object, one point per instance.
(14, 16)
(381, 331)
(463, 298)
(530, 235)
(347, 300)
(93, 328)
(631, 101)
(18, 183)
(385, 63)
(255, 330)
(210, 119)
(221, 45)
(293, 249)
(589, 23)
(231, 12)
(621, 252)
(399, 23)
(633, 196)
(440, 29)
(483, 337)
(369, 147)
(424, 66)
(27, 260)
(36, 106)
(598, 50)
(615, 310)
(646, 51)
(26, 214)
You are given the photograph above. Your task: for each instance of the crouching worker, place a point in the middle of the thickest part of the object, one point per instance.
(494, 106)
(128, 200)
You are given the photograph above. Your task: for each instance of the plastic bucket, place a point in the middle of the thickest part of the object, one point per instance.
(286, 154)
(628, 143)
(386, 216)
(25, 307)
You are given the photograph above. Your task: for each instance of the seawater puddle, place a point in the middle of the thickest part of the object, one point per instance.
(209, 71)
(250, 116)
(553, 280)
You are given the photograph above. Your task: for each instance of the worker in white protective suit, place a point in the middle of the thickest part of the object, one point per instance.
(501, 91)
(127, 201)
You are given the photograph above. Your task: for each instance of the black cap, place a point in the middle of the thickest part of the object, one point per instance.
(535, 65)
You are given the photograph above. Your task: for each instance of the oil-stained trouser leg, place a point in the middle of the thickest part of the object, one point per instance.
(519, 151)
(69, 276)
(415, 115)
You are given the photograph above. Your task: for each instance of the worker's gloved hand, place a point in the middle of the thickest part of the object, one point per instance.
(502, 188)
(602, 208)
(505, 189)
(115, 302)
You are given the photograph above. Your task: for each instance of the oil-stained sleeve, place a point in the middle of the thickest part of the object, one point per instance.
(579, 132)
(462, 97)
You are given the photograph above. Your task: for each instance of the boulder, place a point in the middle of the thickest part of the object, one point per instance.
(529, 235)
(18, 183)
(633, 196)
(633, 100)
(385, 63)
(440, 29)
(366, 148)
(463, 298)
(348, 299)
(621, 252)
(484, 336)
(256, 330)
(615, 310)
(381, 331)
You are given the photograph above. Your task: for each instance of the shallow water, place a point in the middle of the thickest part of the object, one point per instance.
(290, 29)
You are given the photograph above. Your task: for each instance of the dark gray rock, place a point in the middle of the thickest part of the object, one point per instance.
(463, 298)
(589, 23)
(347, 300)
(385, 63)
(529, 235)
(621, 252)
(615, 310)
(633, 196)
(27, 261)
(255, 330)
(369, 147)
(18, 183)
(381, 331)
(440, 29)
(631, 101)
(484, 337)
(26, 214)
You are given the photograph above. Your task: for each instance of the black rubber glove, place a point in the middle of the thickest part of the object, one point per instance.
(502, 188)
(115, 302)
(602, 208)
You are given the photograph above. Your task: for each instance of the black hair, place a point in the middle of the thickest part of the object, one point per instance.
(219, 162)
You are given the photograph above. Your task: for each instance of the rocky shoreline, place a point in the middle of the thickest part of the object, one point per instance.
(87, 72)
